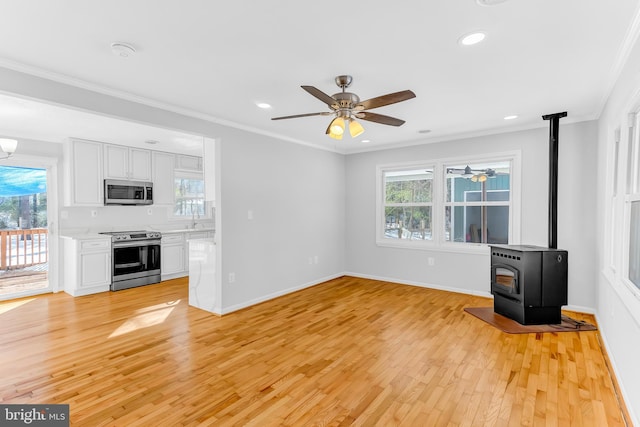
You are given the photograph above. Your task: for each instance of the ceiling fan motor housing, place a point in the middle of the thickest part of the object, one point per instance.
(346, 99)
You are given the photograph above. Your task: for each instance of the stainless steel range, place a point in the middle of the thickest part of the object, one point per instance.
(136, 258)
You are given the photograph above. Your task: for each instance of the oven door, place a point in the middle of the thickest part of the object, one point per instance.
(136, 259)
(504, 280)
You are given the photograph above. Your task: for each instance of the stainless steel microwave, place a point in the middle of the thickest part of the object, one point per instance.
(122, 192)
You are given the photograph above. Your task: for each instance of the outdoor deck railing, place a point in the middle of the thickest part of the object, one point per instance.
(23, 248)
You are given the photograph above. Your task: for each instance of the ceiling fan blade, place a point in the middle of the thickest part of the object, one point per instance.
(324, 113)
(379, 118)
(332, 103)
(383, 100)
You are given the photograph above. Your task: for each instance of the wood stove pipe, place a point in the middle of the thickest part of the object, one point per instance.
(554, 122)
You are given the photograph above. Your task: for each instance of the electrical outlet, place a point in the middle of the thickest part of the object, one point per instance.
(431, 261)
(315, 259)
(94, 213)
(232, 277)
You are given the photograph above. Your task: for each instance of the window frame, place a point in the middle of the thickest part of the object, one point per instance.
(439, 202)
(631, 194)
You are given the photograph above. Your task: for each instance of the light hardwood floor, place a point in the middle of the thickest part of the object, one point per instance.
(349, 351)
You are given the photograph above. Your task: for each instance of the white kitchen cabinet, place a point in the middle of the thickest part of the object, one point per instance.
(87, 265)
(173, 256)
(188, 163)
(122, 162)
(83, 173)
(163, 179)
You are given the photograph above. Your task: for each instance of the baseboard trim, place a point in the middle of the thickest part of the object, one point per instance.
(264, 298)
(421, 284)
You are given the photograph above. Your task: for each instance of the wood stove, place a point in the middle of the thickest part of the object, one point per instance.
(529, 283)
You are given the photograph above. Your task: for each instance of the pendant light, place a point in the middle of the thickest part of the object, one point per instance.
(8, 146)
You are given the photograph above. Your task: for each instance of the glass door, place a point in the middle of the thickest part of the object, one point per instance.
(24, 231)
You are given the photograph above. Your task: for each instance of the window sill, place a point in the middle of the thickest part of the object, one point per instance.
(462, 248)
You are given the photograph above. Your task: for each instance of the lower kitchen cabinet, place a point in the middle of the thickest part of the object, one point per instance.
(172, 256)
(87, 265)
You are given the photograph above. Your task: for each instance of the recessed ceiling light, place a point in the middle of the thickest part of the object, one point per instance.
(511, 117)
(472, 38)
(424, 131)
(365, 141)
(151, 141)
(263, 105)
(122, 49)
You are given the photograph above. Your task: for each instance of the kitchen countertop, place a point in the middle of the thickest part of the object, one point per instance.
(87, 234)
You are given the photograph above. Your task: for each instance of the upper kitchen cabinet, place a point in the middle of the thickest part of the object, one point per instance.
(127, 163)
(83, 173)
(163, 178)
(188, 163)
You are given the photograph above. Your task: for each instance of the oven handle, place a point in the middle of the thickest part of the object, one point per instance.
(131, 264)
(146, 242)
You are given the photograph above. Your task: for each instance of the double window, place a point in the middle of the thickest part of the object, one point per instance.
(447, 203)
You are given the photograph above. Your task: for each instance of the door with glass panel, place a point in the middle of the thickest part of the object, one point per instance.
(24, 238)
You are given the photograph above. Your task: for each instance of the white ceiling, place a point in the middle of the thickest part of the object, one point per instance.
(217, 59)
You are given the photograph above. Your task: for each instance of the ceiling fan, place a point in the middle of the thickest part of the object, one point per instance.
(475, 175)
(346, 107)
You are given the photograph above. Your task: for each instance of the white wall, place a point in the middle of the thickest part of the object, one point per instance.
(296, 198)
(470, 272)
(618, 309)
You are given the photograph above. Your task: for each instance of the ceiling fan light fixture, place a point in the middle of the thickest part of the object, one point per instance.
(334, 135)
(336, 128)
(355, 128)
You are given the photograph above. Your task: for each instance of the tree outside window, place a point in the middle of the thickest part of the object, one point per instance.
(408, 204)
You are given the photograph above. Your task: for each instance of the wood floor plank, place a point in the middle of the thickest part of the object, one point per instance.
(346, 352)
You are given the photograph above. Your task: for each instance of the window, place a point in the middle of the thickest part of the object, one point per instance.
(634, 244)
(447, 203)
(477, 202)
(189, 195)
(632, 203)
(408, 204)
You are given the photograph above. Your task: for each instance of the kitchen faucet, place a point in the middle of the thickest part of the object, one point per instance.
(193, 219)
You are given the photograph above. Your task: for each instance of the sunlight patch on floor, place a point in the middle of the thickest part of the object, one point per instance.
(8, 306)
(146, 317)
